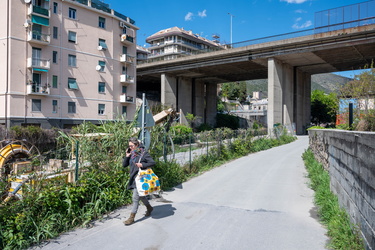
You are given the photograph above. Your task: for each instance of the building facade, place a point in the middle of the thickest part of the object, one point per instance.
(65, 62)
(176, 42)
(142, 54)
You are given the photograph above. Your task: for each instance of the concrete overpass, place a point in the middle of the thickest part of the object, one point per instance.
(190, 83)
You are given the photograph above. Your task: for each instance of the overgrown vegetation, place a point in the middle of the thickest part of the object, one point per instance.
(360, 92)
(52, 206)
(324, 107)
(343, 234)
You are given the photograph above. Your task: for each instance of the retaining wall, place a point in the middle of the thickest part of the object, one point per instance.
(350, 159)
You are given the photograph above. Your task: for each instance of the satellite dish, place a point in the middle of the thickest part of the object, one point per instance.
(26, 24)
(98, 67)
(100, 48)
(27, 1)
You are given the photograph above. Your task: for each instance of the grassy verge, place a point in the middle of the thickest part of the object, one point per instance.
(343, 234)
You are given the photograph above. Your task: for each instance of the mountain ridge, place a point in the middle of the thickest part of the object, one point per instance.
(327, 82)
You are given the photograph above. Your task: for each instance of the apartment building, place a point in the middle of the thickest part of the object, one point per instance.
(176, 42)
(64, 62)
(142, 54)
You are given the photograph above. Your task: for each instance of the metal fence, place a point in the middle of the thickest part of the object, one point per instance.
(350, 16)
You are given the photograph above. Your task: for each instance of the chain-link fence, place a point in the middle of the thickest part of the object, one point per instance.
(183, 149)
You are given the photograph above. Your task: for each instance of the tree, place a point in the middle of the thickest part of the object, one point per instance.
(234, 91)
(324, 107)
(362, 90)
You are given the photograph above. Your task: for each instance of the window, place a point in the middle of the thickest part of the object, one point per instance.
(101, 87)
(124, 50)
(54, 82)
(102, 65)
(124, 89)
(54, 56)
(124, 110)
(72, 61)
(55, 6)
(72, 13)
(55, 32)
(72, 36)
(54, 106)
(72, 83)
(102, 44)
(71, 107)
(36, 105)
(37, 32)
(101, 108)
(102, 22)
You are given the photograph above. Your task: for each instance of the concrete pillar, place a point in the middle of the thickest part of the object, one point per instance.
(288, 95)
(275, 95)
(303, 102)
(169, 91)
(211, 103)
(185, 97)
(307, 99)
(199, 101)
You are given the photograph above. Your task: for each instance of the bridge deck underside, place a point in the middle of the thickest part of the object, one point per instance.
(325, 54)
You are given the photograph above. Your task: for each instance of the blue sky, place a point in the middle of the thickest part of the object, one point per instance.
(250, 18)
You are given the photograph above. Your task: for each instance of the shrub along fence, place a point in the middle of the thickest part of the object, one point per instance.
(52, 206)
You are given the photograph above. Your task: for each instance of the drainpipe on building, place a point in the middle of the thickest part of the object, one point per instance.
(7, 74)
(26, 74)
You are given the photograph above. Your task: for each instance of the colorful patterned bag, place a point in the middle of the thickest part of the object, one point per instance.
(147, 182)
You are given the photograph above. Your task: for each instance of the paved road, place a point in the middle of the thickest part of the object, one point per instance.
(261, 201)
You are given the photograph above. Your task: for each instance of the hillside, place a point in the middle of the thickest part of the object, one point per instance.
(326, 82)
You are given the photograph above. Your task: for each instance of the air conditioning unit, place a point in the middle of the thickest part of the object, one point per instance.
(27, 23)
(98, 67)
(122, 24)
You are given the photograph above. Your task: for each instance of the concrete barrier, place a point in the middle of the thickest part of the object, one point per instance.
(349, 156)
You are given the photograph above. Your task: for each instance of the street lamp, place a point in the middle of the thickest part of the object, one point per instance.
(231, 16)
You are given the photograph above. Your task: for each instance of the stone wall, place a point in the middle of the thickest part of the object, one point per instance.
(350, 159)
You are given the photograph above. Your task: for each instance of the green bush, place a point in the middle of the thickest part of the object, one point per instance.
(228, 121)
(180, 133)
(47, 209)
(204, 127)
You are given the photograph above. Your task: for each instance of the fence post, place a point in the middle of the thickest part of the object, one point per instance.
(219, 143)
(77, 164)
(207, 143)
(165, 148)
(190, 150)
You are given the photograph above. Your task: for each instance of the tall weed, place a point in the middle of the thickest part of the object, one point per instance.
(343, 234)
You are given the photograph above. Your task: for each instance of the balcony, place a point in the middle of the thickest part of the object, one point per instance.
(126, 79)
(38, 10)
(124, 58)
(124, 98)
(37, 89)
(127, 39)
(39, 64)
(38, 38)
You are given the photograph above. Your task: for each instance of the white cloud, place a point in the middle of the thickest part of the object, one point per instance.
(202, 13)
(189, 16)
(294, 1)
(300, 11)
(302, 26)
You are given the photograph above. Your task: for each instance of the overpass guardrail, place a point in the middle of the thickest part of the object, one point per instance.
(290, 35)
